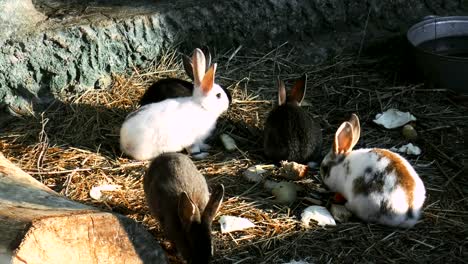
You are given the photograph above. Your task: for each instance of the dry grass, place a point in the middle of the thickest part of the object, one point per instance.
(73, 145)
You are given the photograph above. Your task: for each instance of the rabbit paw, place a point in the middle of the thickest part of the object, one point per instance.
(198, 150)
(199, 147)
(195, 148)
(200, 155)
(204, 146)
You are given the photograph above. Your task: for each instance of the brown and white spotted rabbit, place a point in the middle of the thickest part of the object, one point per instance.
(379, 185)
(290, 133)
(177, 195)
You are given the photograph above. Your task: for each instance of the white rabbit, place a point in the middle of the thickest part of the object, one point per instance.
(177, 123)
(379, 185)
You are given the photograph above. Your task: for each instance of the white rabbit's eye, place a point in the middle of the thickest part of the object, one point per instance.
(218, 95)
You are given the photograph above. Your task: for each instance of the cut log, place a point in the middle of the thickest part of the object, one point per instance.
(37, 225)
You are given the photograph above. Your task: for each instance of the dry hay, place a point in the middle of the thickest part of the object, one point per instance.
(73, 145)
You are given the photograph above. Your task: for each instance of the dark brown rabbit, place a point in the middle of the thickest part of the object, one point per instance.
(290, 133)
(177, 195)
(173, 87)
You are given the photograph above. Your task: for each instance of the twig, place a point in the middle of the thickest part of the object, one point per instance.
(453, 177)
(422, 243)
(361, 45)
(445, 156)
(435, 128)
(448, 179)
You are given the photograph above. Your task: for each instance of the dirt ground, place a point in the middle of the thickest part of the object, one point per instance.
(72, 145)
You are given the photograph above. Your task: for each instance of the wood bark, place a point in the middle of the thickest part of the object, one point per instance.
(37, 225)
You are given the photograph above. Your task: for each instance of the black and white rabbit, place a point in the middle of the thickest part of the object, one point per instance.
(176, 123)
(290, 133)
(379, 185)
(173, 87)
(177, 195)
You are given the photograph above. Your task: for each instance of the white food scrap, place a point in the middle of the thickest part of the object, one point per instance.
(95, 191)
(393, 118)
(319, 214)
(233, 223)
(255, 173)
(409, 149)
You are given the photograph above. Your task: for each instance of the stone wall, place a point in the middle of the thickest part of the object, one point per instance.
(51, 45)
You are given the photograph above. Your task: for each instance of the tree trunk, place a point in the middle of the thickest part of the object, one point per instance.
(38, 225)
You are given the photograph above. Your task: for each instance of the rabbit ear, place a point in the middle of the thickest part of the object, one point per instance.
(188, 211)
(208, 80)
(343, 142)
(206, 51)
(298, 90)
(188, 67)
(354, 121)
(199, 65)
(281, 92)
(214, 203)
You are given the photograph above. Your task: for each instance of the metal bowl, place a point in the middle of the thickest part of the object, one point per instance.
(440, 46)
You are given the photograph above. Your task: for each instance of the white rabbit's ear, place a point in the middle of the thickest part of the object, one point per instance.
(343, 142)
(281, 92)
(354, 121)
(188, 67)
(299, 89)
(199, 65)
(207, 53)
(208, 80)
(188, 211)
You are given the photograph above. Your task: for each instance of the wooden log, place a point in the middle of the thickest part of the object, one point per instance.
(37, 225)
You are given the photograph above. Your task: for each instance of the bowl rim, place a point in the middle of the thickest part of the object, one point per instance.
(435, 19)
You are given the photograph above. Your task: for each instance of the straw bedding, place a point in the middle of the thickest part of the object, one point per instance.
(72, 145)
